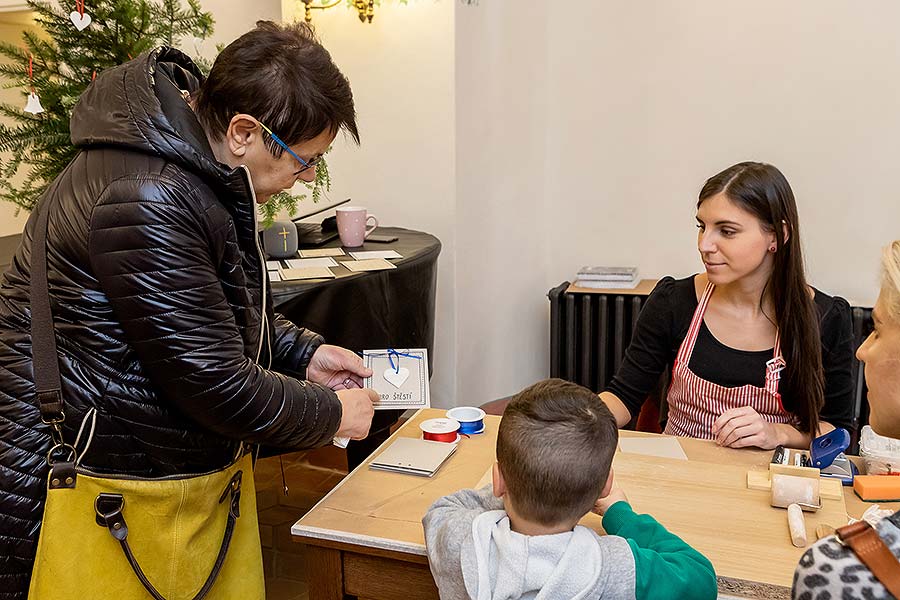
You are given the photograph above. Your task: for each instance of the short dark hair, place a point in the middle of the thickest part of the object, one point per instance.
(283, 76)
(555, 449)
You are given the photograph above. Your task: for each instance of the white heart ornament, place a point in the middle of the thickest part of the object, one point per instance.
(80, 20)
(396, 378)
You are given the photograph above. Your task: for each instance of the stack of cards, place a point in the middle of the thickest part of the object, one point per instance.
(301, 268)
(413, 457)
(317, 262)
(369, 254)
(371, 260)
(320, 252)
(400, 377)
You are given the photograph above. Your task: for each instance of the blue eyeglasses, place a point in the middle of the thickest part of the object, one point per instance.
(306, 165)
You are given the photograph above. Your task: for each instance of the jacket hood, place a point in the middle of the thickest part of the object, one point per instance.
(139, 106)
(503, 564)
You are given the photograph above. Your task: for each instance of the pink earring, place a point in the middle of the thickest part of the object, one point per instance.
(771, 248)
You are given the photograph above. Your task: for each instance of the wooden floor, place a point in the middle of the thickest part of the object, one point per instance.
(309, 476)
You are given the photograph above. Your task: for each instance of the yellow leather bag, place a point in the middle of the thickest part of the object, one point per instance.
(173, 539)
(187, 537)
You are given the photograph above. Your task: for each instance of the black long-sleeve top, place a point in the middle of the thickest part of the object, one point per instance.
(663, 325)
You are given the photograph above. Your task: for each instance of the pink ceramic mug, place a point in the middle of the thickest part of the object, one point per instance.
(352, 224)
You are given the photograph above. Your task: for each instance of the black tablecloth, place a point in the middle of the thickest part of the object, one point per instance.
(371, 310)
(359, 311)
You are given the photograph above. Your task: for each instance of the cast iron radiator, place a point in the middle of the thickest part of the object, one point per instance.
(589, 333)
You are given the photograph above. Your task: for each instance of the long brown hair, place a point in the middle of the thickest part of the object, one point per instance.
(763, 191)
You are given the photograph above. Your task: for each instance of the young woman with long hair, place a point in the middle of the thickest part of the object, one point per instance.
(757, 356)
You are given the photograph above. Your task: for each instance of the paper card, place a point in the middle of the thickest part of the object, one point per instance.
(663, 447)
(305, 263)
(307, 273)
(372, 264)
(321, 252)
(274, 276)
(375, 254)
(403, 384)
(487, 478)
(273, 265)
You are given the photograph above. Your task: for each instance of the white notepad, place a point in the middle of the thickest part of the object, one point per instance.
(367, 254)
(306, 263)
(413, 457)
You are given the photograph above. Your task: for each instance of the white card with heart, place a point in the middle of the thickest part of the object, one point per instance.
(400, 377)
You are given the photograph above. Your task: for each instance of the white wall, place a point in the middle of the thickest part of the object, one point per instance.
(585, 131)
(401, 70)
(232, 20)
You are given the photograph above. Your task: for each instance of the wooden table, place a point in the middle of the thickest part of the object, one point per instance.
(365, 538)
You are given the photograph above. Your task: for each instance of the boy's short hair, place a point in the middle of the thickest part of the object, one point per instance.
(283, 76)
(555, 449)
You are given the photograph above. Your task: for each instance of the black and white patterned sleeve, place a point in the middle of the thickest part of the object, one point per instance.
(831, 570)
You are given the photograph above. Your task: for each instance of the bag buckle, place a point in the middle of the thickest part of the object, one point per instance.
(844, 534)
(234, 488)
(54, 456)
(109, 514)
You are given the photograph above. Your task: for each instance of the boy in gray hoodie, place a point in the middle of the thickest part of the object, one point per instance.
(519, 538)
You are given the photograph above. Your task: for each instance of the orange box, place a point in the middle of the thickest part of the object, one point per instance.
(877, 488)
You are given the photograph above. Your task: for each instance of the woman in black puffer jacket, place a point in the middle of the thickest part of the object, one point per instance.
(159, 293)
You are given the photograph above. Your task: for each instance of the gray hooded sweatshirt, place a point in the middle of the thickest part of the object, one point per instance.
(474, 554)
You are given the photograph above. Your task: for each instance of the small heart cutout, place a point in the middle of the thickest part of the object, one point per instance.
(80, 20)
(396, 378)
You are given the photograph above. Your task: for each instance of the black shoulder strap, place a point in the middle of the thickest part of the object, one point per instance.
(45, 361)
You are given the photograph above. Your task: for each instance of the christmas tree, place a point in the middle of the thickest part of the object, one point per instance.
(56, 65)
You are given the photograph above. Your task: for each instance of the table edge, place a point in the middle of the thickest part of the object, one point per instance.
(301, 532)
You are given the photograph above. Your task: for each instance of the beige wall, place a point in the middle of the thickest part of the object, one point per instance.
(233, 19)
(401, 69)
(585, 130)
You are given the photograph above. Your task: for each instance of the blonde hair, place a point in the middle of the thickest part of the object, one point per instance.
(890, 283)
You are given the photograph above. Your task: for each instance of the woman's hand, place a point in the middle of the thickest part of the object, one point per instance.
(357, 412)
(742, 427)
(337, 368)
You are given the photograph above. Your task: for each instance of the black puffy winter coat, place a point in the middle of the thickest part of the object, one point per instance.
(163, 318)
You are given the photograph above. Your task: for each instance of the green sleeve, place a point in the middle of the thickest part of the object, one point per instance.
(665, 566)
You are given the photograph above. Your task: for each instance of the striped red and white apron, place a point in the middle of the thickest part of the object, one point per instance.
(695, 404)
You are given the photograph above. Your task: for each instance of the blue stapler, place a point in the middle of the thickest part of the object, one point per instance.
(826, 453)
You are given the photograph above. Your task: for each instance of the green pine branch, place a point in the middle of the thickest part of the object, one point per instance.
(34, 149)
(285, 201)
(37, 147)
